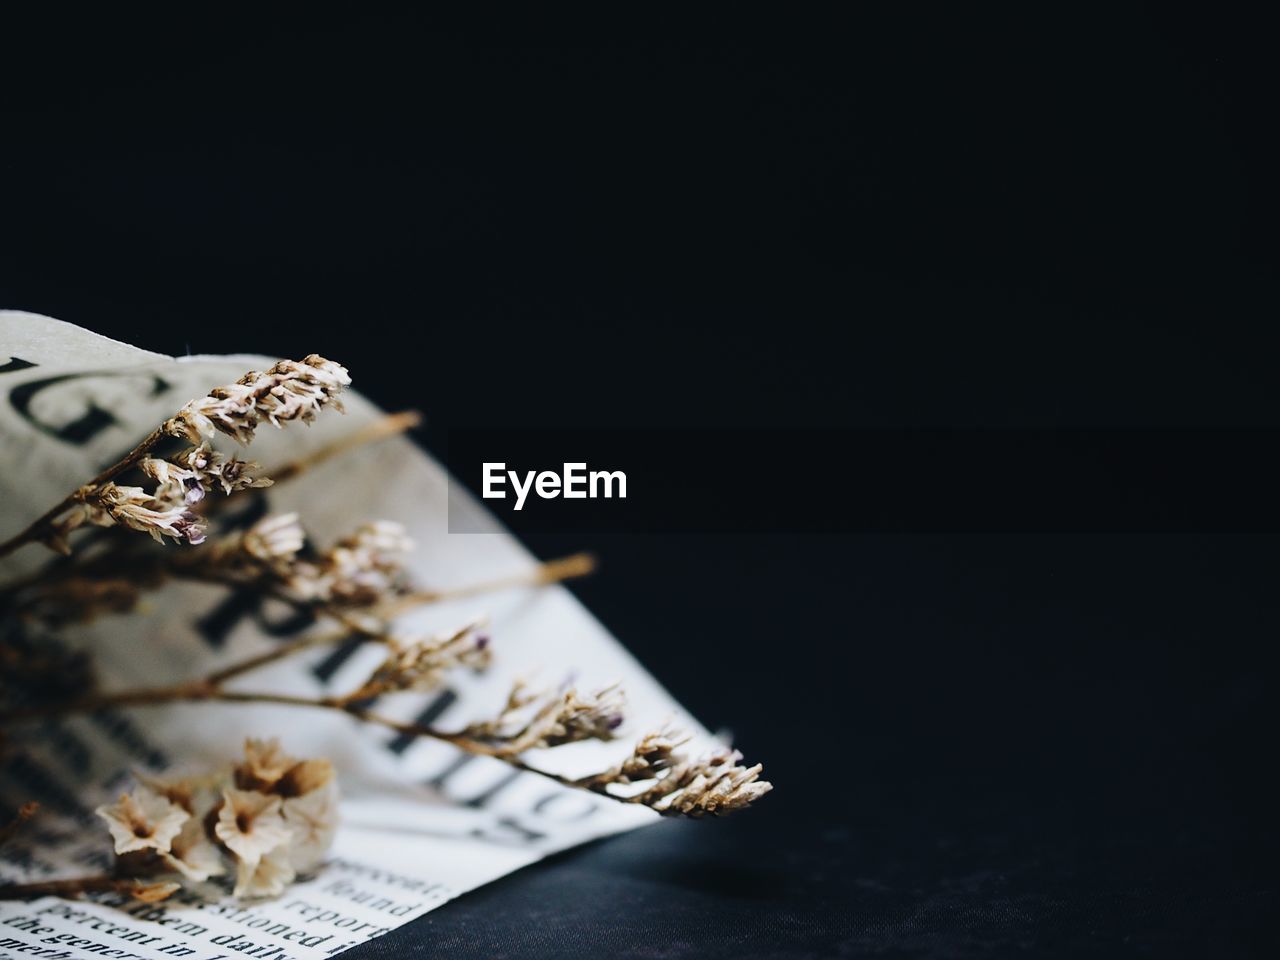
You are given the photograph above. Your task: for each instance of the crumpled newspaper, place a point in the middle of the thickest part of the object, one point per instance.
(421, 822)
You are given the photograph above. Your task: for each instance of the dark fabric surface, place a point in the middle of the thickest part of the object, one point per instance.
(984, 746)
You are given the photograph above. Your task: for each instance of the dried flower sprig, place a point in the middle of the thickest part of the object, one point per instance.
(422, 663)
(289, 391)
(188, 477)
(712, 785)
(530, 721)
(716, 784)
(131, 507)
(359, 570)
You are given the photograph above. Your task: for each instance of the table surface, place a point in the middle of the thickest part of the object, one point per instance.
(1046, 746)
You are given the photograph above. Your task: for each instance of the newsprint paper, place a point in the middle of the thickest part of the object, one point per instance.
(421, 822)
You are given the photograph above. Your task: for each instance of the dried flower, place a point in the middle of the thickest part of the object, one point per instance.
(274, 541)
(280, 819)
(266, 876)
(193, 854)
(313, 820)
(263, 766)
(564, 717)
(304, 777)
(358, 570)
(716, 784)
(143, 820)
(181, 792)
(191, 474)
(422, 664)
(288, 391)
(136, 509)
(250, 824)
(654, 754)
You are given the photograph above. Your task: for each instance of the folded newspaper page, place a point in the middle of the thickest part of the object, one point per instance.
(421, 822)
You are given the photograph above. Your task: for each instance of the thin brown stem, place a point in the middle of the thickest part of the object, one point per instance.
(70, 887)
(39, 526)
(552, 571)
(388, 426)
(233, 670)
(207, 692)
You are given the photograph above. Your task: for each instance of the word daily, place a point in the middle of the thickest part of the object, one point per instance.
(574, 483)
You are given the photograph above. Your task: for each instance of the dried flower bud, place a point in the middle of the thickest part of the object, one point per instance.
(153, 892)
(179, 792)
(288, 391)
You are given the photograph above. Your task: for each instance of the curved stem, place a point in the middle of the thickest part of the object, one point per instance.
(207, 692)
(70, 887)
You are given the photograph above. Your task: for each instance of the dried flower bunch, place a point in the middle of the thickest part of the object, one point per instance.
(272, 817)
(257, 824)
(287, 392)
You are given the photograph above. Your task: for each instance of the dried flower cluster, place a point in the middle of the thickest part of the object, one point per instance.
(290, 390)
(271, 817)
(712, 785)
(360, 570)
(287, 392)
(532, 721)
(268, 818)
(188, 477)
(422, 664)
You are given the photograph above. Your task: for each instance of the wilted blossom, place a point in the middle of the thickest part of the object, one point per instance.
(250, 823)
(193, 854)
(143, 820)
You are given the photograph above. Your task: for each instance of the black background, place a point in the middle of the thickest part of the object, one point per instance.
(1039, 745)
